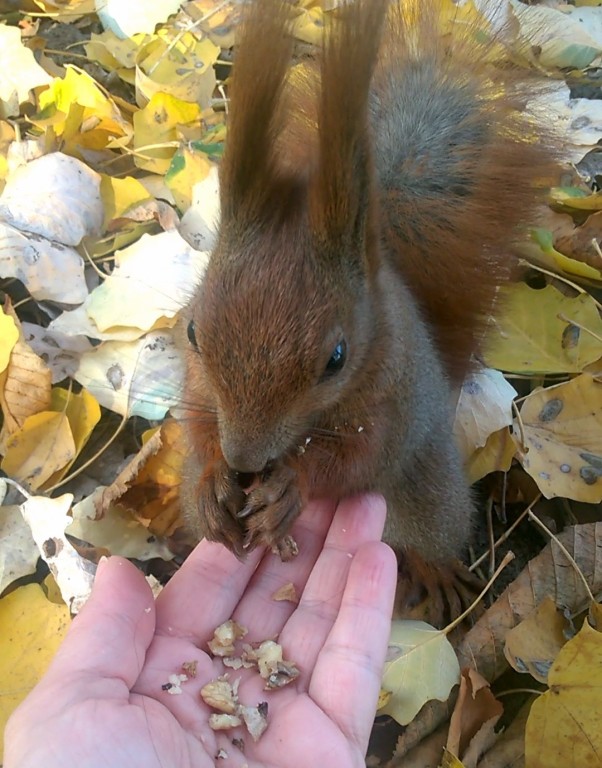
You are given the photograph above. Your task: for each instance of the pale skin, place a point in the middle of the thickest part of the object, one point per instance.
(101, 702)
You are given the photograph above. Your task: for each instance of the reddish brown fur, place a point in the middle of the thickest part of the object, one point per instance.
(379, 215)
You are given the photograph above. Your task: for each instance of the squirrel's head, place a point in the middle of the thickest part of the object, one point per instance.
(281, 328)
(281, 323)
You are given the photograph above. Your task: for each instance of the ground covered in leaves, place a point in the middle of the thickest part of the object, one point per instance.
(112, 124)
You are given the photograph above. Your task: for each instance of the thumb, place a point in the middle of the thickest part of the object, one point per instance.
(110, 636)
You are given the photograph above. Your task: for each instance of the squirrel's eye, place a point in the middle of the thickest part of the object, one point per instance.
(336, 361)
(190, 332)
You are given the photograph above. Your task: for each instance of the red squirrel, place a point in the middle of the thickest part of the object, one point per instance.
(368, 205)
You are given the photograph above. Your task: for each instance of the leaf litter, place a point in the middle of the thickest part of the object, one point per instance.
(112, 168)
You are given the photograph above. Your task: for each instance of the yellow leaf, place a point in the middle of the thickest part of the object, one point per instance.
(543, 331)
(495, 456)
(32, 630)
(309, 26)
(532, 645)
(562, 427)
(83, 414)
(188, 167)
(79, 112)
(158, 123)
(9, 333)
(181, 66)
(541, 250)
(563, 728)
(119, 195)
(113, 53)
(42, 446)
(68, 11)
(421, 665)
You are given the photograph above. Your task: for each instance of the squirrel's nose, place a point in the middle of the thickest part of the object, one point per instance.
(244, 460)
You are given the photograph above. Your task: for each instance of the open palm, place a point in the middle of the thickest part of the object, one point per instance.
(102, 702)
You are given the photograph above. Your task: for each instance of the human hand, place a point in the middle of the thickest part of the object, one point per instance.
(101, 702)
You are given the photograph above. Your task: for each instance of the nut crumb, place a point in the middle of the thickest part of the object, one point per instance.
(286, 592)
(223, 722)
(189, 668)
(224, 637)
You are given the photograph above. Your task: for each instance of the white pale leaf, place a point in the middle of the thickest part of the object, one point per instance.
(49, 271)
(77, 322)
(199, 223)
(421, 666)
(55, 196)
(116, 531)
(484, 407)
(140, 378)
(19, 71)
(60, 352)
(18, 551)
(126, 19)
(152, 280)
(47, 520)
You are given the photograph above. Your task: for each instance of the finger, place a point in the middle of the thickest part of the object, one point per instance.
(204, 592)
(357, 521)
(309, 531)
(110, 636)
(346, 679)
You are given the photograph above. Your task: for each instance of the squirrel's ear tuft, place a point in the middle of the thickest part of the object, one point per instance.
(255, 116)
(340, 192)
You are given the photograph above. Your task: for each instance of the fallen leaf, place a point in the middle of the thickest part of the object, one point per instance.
(421, 665)
(148, 487)
(539, 331)
(18, 552)
(126, 19)
(533, 644)
(484, 407)
(562, 430)
(564, 724)
(32, 630)
(142, 378)
(47, 520)
(20, 71)
(9, 333)
(56, 197)
(40, 448)
(475, 706)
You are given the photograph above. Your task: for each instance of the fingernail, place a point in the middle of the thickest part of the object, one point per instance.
(101, 565)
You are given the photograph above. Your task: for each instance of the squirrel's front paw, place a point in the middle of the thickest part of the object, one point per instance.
(220, 499)
(270, 510)
(433, 592)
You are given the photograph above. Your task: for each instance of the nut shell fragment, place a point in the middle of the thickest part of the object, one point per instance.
(286, 592)
(222, 722)
(224, 637)
(220, 695)
(256, 719)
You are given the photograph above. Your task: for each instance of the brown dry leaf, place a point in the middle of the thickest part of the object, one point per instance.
(475, 707)
(548, 574)
(509, 749)
(564, 725)
(562, 428)
(533, 645)
(27, 385)
(149, 485)
(583, 243)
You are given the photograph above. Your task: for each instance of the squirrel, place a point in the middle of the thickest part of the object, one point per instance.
(369, 200)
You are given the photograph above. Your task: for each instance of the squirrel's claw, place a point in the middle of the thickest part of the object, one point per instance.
(434, 592)
(220, 498)
(270, 510)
